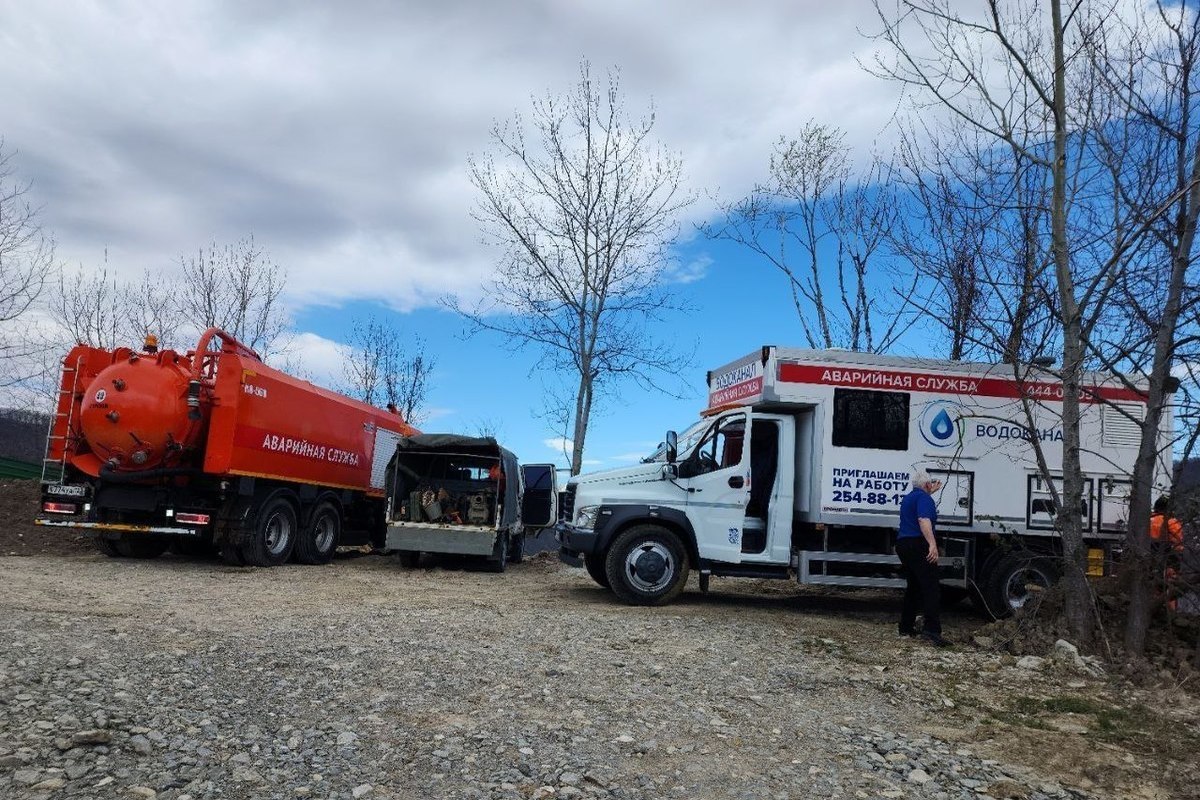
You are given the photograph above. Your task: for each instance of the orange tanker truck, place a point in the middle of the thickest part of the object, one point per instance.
(212, 448)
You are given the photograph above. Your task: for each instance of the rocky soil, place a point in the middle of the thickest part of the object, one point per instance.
(177, 679)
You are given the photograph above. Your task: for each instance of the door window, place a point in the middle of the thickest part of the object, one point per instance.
(721, 447)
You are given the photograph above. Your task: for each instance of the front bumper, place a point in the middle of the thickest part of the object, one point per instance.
(574, 543)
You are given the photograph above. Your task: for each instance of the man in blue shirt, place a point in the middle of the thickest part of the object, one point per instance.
(918, 552)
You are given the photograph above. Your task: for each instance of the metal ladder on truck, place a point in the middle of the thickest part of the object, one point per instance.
(53, 469)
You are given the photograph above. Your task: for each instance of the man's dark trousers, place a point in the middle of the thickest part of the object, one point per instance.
(923, 588)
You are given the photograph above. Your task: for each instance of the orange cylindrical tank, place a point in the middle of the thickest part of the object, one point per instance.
(134, 413)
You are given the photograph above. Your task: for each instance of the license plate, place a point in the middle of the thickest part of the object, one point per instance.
(66, 490)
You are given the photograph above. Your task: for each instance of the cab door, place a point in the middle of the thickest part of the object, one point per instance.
(717, 478)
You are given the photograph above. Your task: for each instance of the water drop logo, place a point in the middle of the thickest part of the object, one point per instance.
(939, 424)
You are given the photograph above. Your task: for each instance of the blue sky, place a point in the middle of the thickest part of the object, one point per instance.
(739, 304)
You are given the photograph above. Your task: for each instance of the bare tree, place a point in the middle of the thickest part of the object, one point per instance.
(973, 228)
(812, 207)
(87, 306)
(583, 214)
(380, 370)
(488, 427)
(26, 259)
(1017, 73)
(407, 387)
(150, 308)
(1153, 82)
(237, 288)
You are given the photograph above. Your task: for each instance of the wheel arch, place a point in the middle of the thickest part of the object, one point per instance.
(625, 517)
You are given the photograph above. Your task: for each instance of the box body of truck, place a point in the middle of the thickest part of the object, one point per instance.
(464, 495)
(799, 464)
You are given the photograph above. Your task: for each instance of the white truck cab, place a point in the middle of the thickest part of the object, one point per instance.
(798, 465)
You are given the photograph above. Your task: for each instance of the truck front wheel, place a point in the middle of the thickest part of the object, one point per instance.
(647, 566)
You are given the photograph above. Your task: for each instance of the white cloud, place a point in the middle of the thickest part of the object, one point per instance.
(690, 272)
(316, 358)
(338, 134)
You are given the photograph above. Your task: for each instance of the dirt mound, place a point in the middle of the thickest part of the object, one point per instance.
(20, 537)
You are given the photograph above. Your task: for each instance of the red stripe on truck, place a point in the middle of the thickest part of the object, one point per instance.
(896, 380)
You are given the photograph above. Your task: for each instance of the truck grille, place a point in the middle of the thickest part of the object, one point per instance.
(566, 505)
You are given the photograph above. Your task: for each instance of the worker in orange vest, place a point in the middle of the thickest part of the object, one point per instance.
(1166, 542)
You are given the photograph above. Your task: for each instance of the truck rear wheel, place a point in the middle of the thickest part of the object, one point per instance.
(516, 549)
(142, 546)
(596, 568)
(498, 562)
(320, 535)
(108, 547)
(647, 566)
(1006, 586)
(231, 553)
(273, 536)
(193, 547)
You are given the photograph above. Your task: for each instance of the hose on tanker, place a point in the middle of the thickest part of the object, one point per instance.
(107, 473)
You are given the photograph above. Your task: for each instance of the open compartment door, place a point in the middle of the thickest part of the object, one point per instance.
(539, 504)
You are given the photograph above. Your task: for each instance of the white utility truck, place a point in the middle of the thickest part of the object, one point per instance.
(798, 466)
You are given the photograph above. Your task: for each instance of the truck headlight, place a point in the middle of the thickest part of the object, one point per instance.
(585, 517)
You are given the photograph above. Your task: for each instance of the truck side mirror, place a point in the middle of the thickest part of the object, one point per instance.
(672, 446)
(669, 472)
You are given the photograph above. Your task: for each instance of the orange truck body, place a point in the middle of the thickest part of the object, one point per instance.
(197, 429)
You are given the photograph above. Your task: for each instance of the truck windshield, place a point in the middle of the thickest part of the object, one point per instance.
(687, 442)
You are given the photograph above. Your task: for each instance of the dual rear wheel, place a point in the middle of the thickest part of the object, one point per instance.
(133, 546)
(276, 531)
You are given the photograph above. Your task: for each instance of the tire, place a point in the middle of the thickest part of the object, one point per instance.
(498, 562)
(953, 595)
(142, 546)
(516, 549)
(190, 547)
(108, 547)
(269, 543)
(318, 539)
(231, 553)
(409, 559)
(647, 566)
(595, 567)
(1004, 589)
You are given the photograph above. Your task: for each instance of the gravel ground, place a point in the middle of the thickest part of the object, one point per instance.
(177, 679)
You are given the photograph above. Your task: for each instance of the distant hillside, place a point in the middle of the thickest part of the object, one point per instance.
(23, 435)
